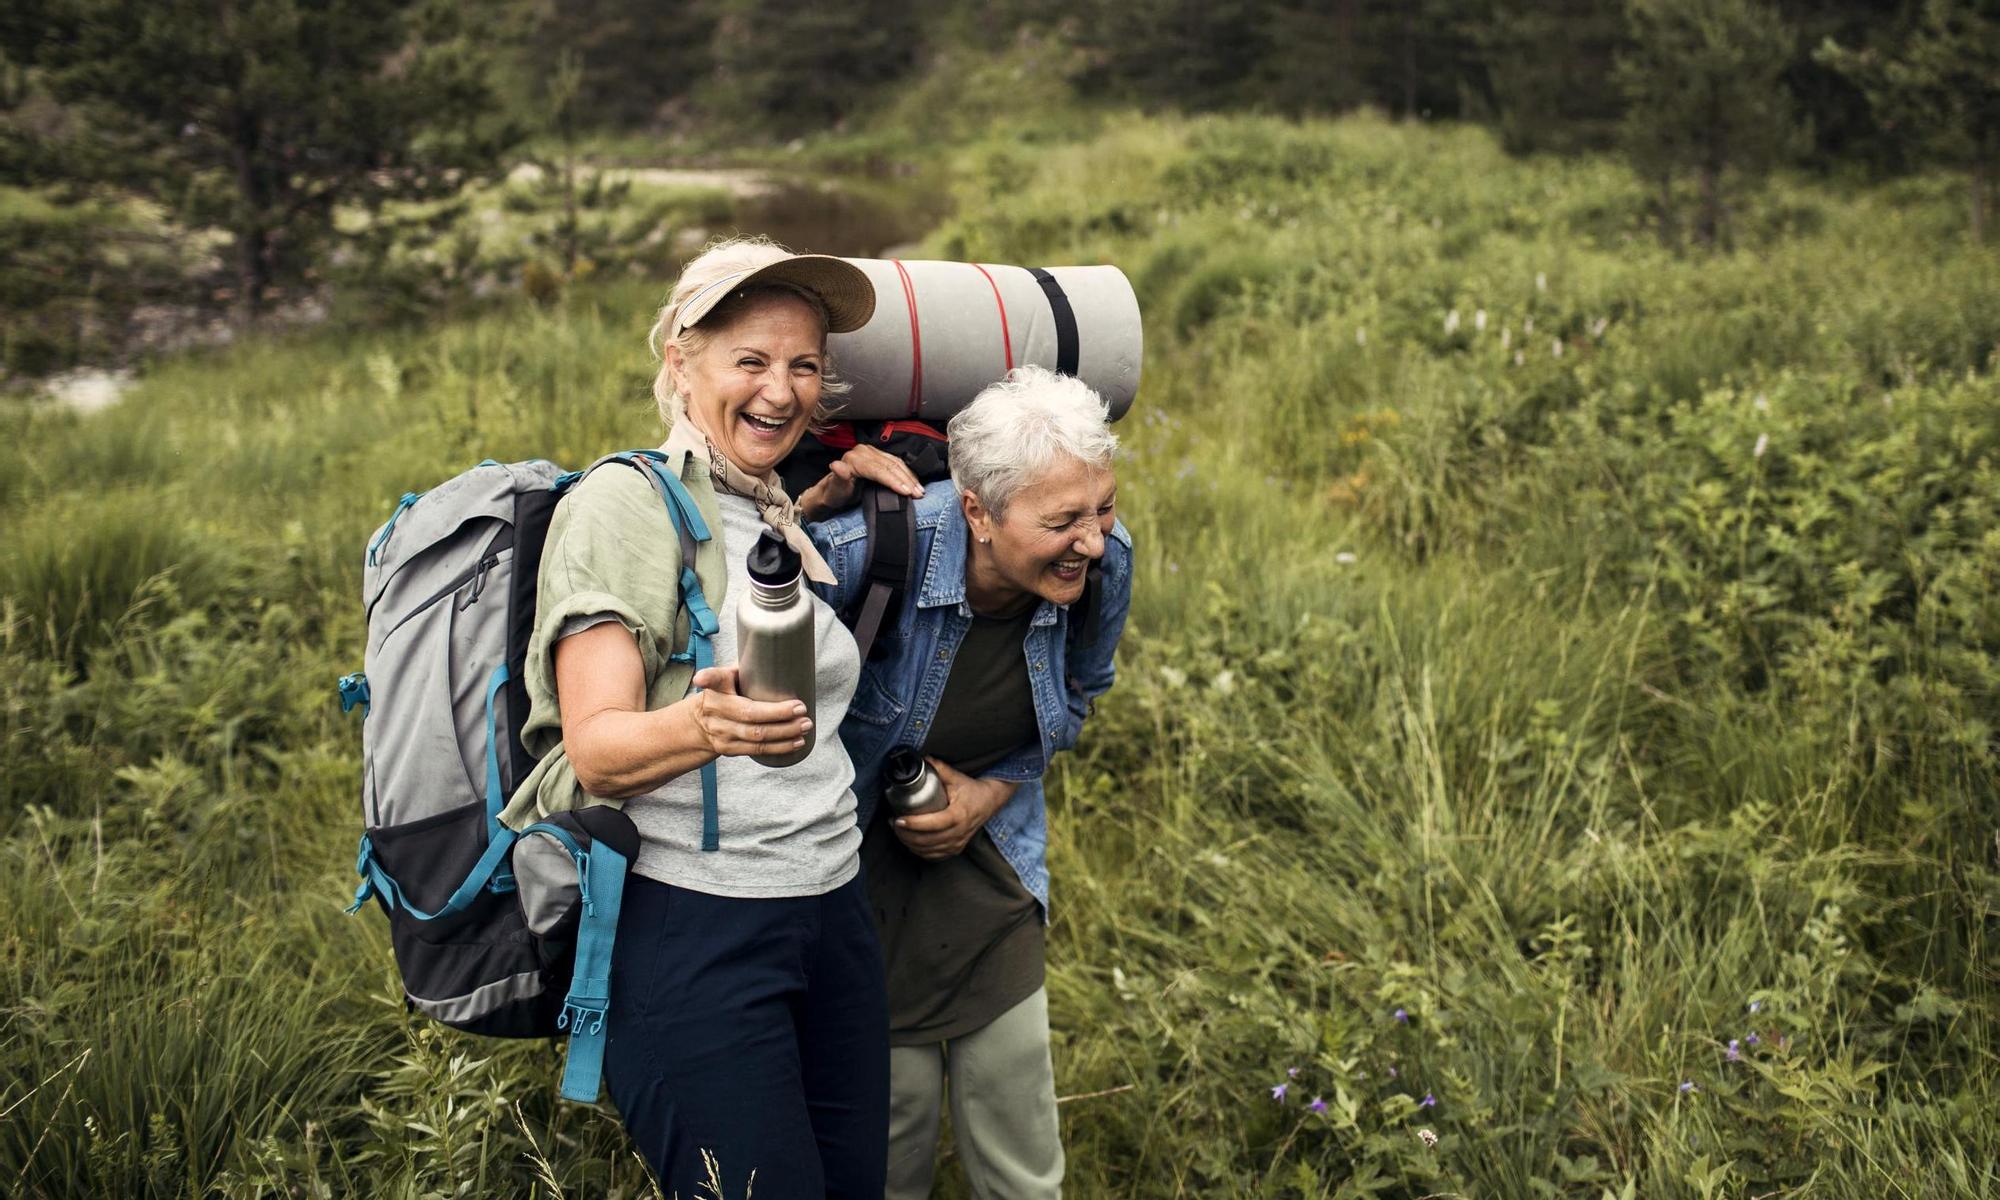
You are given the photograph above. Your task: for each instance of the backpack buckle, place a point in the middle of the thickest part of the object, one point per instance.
(353, 691)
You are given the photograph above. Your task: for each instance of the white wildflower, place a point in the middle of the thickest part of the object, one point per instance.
(1506, 338)
(1763, 444)
(1528, 325)
(1429, 1138)
(1541, 282)
(1451, 322)
(1361, 337)
(1762, 403)
(1173, 677)
(1346, 558)
(1479, 321)
(1224, 681)
(1556, 348)
(1598, 326)
(1520, 358)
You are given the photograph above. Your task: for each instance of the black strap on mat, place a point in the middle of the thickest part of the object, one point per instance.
(892, 542)
(1067, 347)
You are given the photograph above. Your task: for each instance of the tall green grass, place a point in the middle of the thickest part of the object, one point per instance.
(1597, 742)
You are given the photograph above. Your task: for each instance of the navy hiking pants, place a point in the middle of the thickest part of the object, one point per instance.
(756, 1030)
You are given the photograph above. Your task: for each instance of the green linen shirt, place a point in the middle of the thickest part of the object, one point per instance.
(615, 506)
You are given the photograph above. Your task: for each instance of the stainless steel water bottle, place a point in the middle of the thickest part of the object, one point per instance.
(775, 658)
(910, 786)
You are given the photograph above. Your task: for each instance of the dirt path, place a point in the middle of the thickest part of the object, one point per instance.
(740, 182)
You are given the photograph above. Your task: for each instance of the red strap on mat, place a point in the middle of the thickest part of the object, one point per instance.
(916, 341)
(920, 428)
(1006, 341)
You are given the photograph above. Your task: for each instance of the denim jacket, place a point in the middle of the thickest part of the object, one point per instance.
(901, 685)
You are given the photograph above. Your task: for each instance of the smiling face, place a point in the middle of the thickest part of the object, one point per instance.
(1053, 529)
(754, 384)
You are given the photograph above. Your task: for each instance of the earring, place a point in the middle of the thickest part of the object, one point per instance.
(983, 541)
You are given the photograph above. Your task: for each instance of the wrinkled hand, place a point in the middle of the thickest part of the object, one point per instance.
(734, 725)
(942, 834)
(836, 491)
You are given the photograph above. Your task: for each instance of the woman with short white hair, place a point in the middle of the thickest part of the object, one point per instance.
(1018, 596)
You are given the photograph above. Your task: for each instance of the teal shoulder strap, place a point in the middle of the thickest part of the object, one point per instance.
(603, 892)
(692, 531)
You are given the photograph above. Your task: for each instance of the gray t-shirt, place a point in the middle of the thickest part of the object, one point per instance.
(784, 831)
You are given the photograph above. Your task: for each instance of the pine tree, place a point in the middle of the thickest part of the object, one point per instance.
(1703, 93)
(1942, 88)
(1547, 71)
(263, 116)
(633, 57)
(1187, 54)
(794, 68)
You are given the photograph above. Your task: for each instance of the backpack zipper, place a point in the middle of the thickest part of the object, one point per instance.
(475, 574)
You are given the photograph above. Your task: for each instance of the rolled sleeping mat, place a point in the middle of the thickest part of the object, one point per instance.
(943, 331)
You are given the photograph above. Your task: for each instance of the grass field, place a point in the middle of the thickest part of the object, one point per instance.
(1557, 728)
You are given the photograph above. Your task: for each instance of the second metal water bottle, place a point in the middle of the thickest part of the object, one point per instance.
(775, 655)
(910, 786)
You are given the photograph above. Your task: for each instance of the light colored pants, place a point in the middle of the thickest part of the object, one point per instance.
(1003, 1109)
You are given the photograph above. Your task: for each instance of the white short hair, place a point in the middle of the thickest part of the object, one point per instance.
(1022, 426)
(717, 261)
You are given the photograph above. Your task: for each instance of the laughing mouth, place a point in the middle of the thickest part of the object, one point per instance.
(766, 424)
(1069, 566)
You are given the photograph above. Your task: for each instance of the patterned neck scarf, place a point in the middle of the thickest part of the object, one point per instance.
(764, 491)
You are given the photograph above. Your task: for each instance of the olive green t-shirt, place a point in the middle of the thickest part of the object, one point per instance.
(962, 937)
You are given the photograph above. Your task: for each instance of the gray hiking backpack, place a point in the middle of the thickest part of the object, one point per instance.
(496, 931)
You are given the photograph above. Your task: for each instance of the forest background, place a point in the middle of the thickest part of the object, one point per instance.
(1554, 751)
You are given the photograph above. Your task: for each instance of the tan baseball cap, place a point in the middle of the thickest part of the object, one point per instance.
(840, 285)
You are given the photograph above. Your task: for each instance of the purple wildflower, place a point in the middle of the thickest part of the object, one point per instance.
(1429, 1101)
(1687, 1085)
(1402, 1016)
(1756, 1005)
(1392, 1070)
(1735, 1050)
(1278, 1093)
(1751, 1039)
(1291, 1072)
(1318, 1105)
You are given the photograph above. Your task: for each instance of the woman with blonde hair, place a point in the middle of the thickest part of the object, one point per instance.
(747, 1014)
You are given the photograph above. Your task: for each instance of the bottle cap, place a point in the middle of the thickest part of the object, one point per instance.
(904, 767)
(772, 561)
